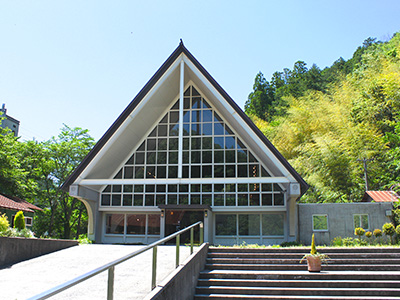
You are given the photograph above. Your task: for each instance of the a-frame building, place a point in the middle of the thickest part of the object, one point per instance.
(167, 163)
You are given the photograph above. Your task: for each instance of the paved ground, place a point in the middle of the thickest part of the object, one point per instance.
(132, 278)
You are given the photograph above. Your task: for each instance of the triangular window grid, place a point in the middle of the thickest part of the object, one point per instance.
(210, 148)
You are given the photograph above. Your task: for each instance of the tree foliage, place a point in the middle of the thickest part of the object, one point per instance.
(36, 170)
(326, 122)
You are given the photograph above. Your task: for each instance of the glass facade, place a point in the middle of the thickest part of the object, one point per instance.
(244, 225)
(210, 149)
(133, 224)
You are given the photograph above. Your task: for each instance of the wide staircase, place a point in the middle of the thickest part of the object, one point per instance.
(275, 273)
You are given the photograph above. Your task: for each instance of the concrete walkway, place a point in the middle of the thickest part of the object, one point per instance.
(132, 278)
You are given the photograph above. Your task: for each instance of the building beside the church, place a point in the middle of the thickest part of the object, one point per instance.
(183, 151)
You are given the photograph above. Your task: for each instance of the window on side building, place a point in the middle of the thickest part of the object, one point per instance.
(320, 222)
(361, 220)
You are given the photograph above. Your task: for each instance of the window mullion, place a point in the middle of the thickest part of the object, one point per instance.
(180, 143)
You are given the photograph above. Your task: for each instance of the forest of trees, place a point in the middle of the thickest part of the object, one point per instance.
(35, 171)
(326, 122)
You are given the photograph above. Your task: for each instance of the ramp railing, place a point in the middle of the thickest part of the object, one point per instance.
(111, 266)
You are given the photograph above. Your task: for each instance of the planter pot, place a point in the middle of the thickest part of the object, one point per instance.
(314, 264)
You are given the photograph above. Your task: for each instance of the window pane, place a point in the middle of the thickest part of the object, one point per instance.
(243, 199)
(153, 225)
(105, 200)
(195, 171)
(116, 200)
(138, 199)
(279, 199)
(206, 199)
(219, 143)
(254, 199)
(272, 224)
(114, 224)
(230, 200)
(127, 200)
(195, 199)
(207, 129)
(139, 172)
(219, 199)
(364, 221)
(225, 225)
(139, 158)
(128, 172)
(249, 225)
(149, 200)
(266, 199)
(320, 222)
(136, 224)
(207, 157)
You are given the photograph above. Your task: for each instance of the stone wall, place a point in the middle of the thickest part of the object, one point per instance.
(14, 249)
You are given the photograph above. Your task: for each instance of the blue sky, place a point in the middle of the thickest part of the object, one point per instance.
(82, 62)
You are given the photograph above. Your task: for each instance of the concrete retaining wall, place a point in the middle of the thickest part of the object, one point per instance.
(181, 283)
(340, 219)
(14, 250)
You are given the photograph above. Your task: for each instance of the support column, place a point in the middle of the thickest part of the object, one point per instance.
(180, 143)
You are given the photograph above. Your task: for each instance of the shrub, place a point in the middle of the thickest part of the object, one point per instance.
(19, 221)
(313, 248)
(388, 229)
(368, 234)
(337, 241)
(359, 232)
(4, 224)
(377, 233)
(83, 240)
(290, 244)
(398, 230)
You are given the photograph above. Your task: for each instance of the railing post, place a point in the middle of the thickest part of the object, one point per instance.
(191, 239)
(154, 269)
(201, 233)
(110, 288)
(178, 237)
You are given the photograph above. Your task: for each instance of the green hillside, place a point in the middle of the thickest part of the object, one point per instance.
(326, 122)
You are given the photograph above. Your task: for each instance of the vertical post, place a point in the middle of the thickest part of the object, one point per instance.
(110, 287)
(191, 239)
(201, 233)
(177, 250)
(180, 141)
(154, 269)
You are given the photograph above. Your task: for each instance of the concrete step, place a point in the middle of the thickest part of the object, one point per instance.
(286, 297)
(298, 266)
(306, 250)
(270, 273)
(387, 292)
(355, 261)
(300, 275)
(299, 283)
(234, 255)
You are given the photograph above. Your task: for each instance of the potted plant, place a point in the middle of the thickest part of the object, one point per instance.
(314, 259)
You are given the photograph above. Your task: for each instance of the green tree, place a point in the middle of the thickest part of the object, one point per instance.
(63, 215)
(19, 221)
(14, 179)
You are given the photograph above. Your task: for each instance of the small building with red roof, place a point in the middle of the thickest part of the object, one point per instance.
(380, 196)
(11, 205)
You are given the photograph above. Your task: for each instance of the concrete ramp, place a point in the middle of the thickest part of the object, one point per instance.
(132, 278)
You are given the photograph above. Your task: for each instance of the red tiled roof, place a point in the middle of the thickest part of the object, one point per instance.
(381, 196)
(16, 204)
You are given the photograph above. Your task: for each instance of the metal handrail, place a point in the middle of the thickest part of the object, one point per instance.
(110, 266)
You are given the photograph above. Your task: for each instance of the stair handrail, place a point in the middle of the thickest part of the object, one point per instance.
(110, 266)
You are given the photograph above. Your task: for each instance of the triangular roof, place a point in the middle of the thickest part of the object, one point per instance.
(15, 203)
(160, 76)
(380, 196)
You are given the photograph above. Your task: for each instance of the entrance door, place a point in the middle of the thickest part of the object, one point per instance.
(177, 219)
